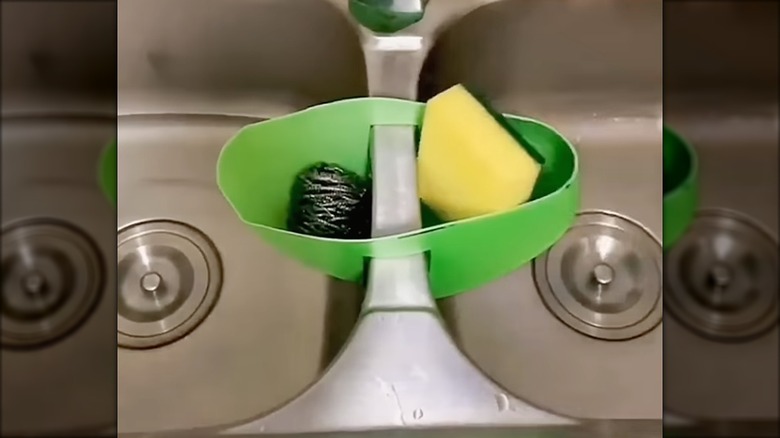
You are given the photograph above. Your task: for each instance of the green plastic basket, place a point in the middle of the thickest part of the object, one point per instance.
(107, 172)
(681, 194)
(258, 165)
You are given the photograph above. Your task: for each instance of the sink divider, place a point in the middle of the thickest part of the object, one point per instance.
(400, 368)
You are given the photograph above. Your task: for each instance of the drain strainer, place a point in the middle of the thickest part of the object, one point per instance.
(603, 278)
(52, 278)
(169, 277)
(721, 277)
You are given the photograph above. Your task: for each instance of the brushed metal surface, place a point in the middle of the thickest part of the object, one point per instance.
(592, 69)
(725, 104)
(68, 385)
(191, 73)
(58, 96)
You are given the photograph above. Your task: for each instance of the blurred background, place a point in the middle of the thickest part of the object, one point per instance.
(721, 276)
(58, 217)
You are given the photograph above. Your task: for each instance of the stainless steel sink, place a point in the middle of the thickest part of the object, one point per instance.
(58, 309)
(192, 73)
(253, 328)
(58, 373)
(718, 375)
(592, 69)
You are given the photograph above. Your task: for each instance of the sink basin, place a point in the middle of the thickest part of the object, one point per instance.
(214, 325)
(58, 342)
(62, 376)
(725, 105)
(550, 333)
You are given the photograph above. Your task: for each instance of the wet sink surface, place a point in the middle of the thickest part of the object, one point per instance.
(268, 326)
(534, 58)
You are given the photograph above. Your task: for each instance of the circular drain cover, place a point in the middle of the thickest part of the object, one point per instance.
(603, 278)
(721, 277)
(52, 277)
(169, 276)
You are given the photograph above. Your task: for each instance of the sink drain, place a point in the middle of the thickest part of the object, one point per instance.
(603, 278)
(169, 277)
(721, 277)
(52, 278)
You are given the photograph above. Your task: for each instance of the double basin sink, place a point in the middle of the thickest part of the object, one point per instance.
(191, 75)
(246, 329)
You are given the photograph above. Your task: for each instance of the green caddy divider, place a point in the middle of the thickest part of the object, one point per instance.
(681, 194)
(107, 172)
(258, 165)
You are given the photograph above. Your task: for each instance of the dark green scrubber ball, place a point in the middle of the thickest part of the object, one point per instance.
(329, 201)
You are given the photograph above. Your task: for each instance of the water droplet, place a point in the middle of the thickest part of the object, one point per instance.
(417, 414)
(503, 402)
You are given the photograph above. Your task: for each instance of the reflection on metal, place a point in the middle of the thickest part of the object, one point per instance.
(721, 278)
(52, 274)
(169, 277)
(603, 278)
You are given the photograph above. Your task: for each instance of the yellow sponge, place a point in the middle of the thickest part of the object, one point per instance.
(468, 164)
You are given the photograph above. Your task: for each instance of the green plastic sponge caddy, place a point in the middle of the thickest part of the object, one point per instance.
(681, 194)
(258, 165)
(107, 172)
